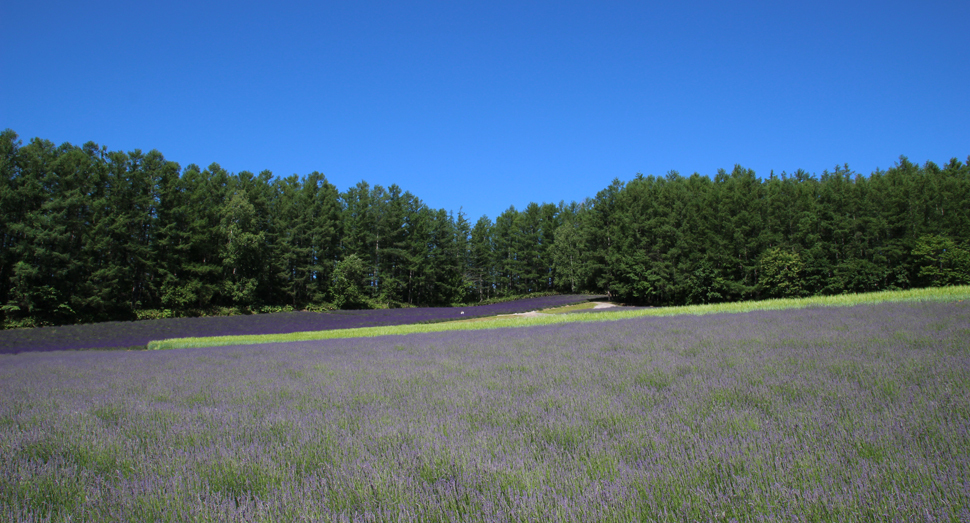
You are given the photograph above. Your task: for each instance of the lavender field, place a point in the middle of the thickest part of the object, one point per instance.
(821, 414)
(136, 334)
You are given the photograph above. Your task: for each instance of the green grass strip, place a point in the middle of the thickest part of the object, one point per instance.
(945, 294)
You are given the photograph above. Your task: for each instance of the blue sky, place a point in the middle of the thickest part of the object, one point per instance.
(490, 104)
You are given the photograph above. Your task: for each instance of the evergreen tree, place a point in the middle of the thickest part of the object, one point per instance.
(43, 277)
(566, 251)
(482, 268)
(11, 214)
(463, 256)
(202, 273)
(292, 250)
(527, 237)
(384, 240)
(506, 260)
(322, 202)
(416, 267)
(600, 227)
(87, 234)
(172, 241)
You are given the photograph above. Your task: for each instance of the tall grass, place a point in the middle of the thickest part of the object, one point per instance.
(934, 294)
(812, 415)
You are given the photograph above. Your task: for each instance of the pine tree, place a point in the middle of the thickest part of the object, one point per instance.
(481, 263)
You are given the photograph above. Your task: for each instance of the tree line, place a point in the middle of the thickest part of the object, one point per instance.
(683, 240)
(88, 234)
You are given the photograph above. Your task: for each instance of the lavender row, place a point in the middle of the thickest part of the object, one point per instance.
(829, 414)
(139, 333)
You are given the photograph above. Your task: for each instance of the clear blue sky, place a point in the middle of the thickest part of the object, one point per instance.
(489, 104)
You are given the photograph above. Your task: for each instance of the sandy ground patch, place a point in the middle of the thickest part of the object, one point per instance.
(529, 314)
(604, 305)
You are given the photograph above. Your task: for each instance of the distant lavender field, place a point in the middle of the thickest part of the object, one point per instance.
(121, 334)
(822, 414)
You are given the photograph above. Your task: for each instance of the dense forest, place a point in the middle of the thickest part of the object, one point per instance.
(87, 234)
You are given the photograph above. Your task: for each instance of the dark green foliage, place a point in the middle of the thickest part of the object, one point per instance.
(942, 261)
(675, 240)
(241, 251)
(306, 215)
(566, 251)
(480, 267)
(348, 287)
(89, 235)
(10, 213)
(781, 273)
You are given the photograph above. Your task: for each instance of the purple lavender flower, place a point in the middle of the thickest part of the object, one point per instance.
(139, 333)
(832, 414)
